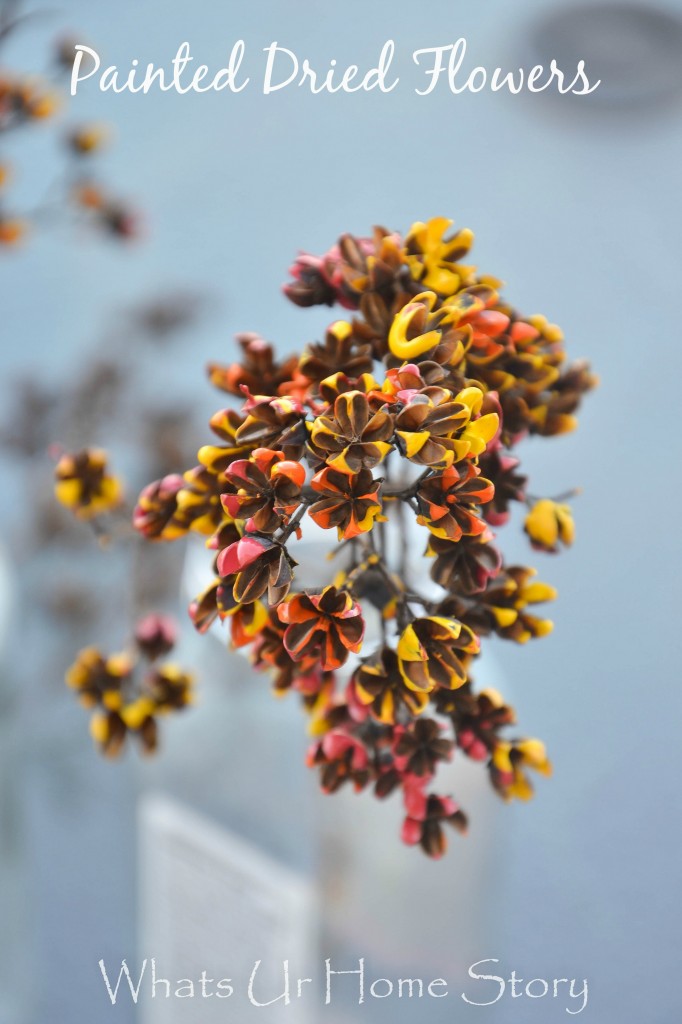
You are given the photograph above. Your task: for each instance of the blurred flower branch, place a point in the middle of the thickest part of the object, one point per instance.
(75, 192)
(403, 419)
(110, 395)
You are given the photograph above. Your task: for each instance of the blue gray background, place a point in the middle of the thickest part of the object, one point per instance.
(575, 204)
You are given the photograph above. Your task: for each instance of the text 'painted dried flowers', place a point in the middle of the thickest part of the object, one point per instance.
(399, 426)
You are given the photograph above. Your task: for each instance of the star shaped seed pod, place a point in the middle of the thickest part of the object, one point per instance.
(329, 624)
(450, 500)
(350, 503)
(406, 380)
(273, 421)
(269, 652)
(379, 686)
(352, 438)
(246, 622)
(259, 565)
(98, 679)
(265, 489)
(465, 565)
(375, 266)
(340, 384)
(257, 372)
(170, 687)
(432, 653)
(203, 610)
(419, 747)
(437, 428)
(316, 282)
(428, 426)
(216, 458)
(425, 824)
(353, 270)
(155, 635)
(341, 759)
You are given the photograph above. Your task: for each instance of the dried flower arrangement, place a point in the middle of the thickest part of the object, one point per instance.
(321, 438)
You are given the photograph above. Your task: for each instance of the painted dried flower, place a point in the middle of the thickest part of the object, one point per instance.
(85, 485)
(465, 565)
(432, 652)
(424, 825)
(341, 758)
(156, 635)
(270, 653)
(420, 331)
(270, 421)
(156, 513)
(199, 504)
(379, 686)
(449, 502)
(247, 622)
(549, 524)
(434, 260)
(353, 438)
(225, 423)
(313, 283)
(109, 732)
(351, 503)
(259, 565)
(328, 626)
(264, 489)
(419, 747)
(508, 763)
(257, 372)
(436, 428)
(98, 679)
(340, 384)
(204, 610)
(478, 720)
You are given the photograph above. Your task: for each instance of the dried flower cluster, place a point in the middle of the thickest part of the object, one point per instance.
(406, 413)
(25, 102)
(129, 690)
(108, 395)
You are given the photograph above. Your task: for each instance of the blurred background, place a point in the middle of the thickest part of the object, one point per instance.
(575, 204)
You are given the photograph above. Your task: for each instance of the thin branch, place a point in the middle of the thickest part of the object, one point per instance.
(10, 20)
